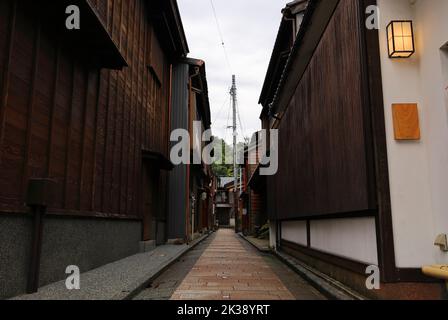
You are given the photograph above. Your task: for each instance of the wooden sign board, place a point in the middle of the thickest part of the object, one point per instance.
(406, 121)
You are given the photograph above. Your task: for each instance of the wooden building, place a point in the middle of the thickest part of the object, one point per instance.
(253, 195)
(224, 201)
(90, 110)
(353, 190)
(191, 185)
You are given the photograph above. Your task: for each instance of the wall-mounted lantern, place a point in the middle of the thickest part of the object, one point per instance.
(400, 39)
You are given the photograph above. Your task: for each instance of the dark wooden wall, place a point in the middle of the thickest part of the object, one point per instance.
(62, 118)
(324, 162)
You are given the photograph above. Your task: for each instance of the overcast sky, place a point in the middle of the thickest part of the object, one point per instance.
(249, 28)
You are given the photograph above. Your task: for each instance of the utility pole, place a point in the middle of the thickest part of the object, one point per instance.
(234, 101)
(235, 172)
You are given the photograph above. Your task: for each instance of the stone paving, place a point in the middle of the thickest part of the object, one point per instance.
(230, 270)
(163, 287)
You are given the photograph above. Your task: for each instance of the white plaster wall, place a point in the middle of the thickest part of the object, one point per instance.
(295, 231)
(418, 170)
(353, 238)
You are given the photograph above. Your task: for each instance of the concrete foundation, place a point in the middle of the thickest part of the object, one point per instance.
(85, 242)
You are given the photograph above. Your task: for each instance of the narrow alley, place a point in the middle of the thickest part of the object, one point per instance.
(226, 267)
(178, 150)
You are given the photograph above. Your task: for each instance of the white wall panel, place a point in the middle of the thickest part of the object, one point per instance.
(354, 239)
(294, 231)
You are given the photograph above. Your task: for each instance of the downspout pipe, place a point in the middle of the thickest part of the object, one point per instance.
(188, 223)
(36, 248)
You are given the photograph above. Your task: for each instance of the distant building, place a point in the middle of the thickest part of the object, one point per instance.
(224, 202)
(253, 196)
(363, 141)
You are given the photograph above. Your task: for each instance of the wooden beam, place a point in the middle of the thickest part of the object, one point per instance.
(139, 112)
(52, 111)
(69, 134)
(83, 139)
(133, 154)
(30, 111)
(132, 108)
(106, 137)
(6, 73)
(95, 140)
(112, 9)
(124, 107)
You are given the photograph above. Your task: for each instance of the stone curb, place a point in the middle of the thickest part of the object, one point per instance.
(328, 286)
(255, 245)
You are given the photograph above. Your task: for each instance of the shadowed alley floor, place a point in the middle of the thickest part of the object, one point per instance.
(225, 267)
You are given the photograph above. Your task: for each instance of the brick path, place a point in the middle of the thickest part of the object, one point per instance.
(229, 270)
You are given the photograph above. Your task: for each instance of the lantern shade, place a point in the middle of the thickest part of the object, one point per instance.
(400, 39)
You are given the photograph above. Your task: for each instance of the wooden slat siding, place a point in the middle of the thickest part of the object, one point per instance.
(95, 141)
(51, 143)
(86, 177)
(76, 141)
(60, 127)
(132, 190)
(125, 138)
(322, 131)
(134, 106)
(116, 154)
(44, 98)
(146, 92)
(100, 126)
(89, 125)
(110, 138)
(110, 116)
(88, 83)
(144, 113)
(69, 137)
(7, 32)
(138, 121)
(101, 140)
(113, 196)
(129, 142)
(110, 15)
(140, 106)
(115, 178)
(30, 111)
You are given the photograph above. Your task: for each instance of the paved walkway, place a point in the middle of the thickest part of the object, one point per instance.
(230, 270)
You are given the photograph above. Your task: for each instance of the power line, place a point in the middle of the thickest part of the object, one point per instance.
(221, 37)
(241, 123)
(226, 100)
